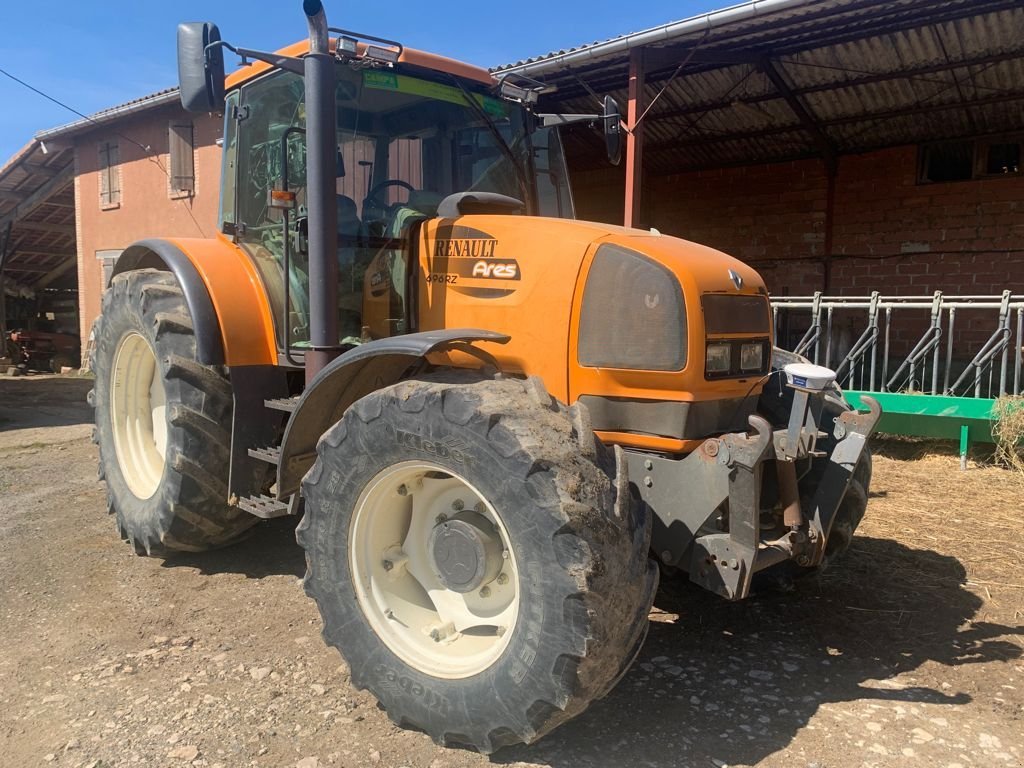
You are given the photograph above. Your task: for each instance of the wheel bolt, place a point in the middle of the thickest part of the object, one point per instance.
(441, 518)
(504, 554)
(503, 578)
(387, 565)
(403, 490)
(458, 505)
(485, 592)
(480, 507)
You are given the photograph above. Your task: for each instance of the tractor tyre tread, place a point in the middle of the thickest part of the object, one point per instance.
(590, 571)
(189, 509)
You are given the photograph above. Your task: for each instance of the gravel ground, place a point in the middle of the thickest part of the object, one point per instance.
(909, 653)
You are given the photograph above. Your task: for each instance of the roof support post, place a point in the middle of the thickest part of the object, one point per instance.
(634, 138)
(3, 297)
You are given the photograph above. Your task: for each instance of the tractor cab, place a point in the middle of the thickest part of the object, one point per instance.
(408, 137)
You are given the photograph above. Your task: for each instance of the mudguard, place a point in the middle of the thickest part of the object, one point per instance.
(161, 254)
(351, 376)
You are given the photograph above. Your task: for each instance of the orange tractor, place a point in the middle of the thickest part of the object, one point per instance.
(498, 423)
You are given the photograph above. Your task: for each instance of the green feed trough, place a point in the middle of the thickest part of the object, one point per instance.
(968, 419)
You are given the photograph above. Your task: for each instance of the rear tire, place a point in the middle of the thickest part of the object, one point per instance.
(581, 585)
(162, 421)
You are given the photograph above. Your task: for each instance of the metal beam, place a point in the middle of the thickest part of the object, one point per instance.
(42, 226)
(55, 274)
(810, 123)
(34, 200)
(861, 117)
(45, 254)
(634, 138)
(40, 170)
(854, 82)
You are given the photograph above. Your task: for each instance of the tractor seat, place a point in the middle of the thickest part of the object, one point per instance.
(422, 204)
(349, 225)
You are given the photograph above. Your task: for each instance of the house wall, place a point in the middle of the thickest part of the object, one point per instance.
(147, 208)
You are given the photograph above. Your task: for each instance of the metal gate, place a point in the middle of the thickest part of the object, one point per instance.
(944, 356)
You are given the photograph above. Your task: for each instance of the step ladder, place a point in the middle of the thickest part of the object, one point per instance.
(267, 507)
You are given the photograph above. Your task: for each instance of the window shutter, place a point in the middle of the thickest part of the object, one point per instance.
(114, 171)
(183, 175)
(110, 176)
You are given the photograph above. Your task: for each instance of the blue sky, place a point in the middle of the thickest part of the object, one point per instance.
(93, 54)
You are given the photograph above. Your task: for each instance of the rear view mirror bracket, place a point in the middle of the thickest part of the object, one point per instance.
(201, 65)
(610, 121)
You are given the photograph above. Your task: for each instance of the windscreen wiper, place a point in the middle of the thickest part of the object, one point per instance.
(524, 186)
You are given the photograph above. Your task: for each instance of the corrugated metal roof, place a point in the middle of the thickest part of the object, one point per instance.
(870, 73)
(158, 99)
(37, 200)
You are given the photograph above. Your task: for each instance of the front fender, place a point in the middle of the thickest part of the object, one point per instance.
(226, 298)
(351, 376)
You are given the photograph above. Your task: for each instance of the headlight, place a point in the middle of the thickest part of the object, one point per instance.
(752, 356)
(718, 359)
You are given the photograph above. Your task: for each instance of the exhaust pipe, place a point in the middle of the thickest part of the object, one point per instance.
(321, 151)
(316, 19)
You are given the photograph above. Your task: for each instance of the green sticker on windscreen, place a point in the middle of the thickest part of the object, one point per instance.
(389, 81)
(384, 80)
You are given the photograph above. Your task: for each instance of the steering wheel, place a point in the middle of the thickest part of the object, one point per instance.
(372, 195)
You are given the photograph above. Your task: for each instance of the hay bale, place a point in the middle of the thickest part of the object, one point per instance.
(1008, 431)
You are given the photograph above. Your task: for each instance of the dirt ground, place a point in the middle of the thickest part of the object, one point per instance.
(909, 653)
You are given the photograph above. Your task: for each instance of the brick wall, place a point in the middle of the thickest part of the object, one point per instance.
(889, 233)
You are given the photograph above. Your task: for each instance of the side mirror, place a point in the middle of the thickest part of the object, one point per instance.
(200, 67)
(612, 119)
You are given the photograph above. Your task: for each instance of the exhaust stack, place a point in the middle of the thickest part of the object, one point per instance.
(321, 150)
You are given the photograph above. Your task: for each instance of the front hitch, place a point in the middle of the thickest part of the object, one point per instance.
(716, 534)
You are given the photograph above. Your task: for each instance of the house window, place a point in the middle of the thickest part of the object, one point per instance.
(949, 161)
(110, 175)
(999, 158)
(970, 159)
(182, 151)
(107, 259)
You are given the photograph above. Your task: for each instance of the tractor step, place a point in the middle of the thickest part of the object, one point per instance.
(271, 455)
(286, 404)
(265, 507)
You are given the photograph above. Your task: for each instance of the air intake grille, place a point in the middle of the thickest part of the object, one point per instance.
(633, 314)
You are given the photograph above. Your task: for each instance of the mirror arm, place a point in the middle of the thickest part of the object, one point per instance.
(288, 63)
(549, 120)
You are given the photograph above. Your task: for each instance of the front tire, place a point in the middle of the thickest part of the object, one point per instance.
(162, 421)
(539, 610)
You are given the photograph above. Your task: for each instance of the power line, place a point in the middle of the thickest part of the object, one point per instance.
(144, 147)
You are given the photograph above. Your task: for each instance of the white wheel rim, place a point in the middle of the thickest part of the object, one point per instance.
(138, 415)
(440, 632)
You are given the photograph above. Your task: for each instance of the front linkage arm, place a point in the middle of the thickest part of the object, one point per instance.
(720, 544)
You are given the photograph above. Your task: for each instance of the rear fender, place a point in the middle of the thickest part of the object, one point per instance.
(351, 376)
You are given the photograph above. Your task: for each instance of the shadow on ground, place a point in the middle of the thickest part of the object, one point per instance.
(43, 401)
(735, 682)
(269, 549)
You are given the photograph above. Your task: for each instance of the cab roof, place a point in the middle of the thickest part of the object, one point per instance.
(409, 56)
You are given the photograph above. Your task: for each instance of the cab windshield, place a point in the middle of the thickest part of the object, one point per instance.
(406, 140)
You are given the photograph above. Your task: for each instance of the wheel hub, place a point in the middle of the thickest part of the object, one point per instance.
(464, 552)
